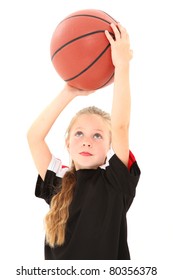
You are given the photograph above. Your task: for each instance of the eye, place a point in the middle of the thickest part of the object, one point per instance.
(79, 134)
(97, 136)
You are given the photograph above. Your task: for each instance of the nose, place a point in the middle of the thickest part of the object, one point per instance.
(87, 143)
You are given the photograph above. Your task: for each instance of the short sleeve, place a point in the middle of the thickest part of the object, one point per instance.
(51, 184)
(125, 179)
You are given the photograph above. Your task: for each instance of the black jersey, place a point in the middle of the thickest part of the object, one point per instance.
(97, 225)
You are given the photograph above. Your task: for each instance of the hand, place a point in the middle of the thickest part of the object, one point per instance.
(120, 47)
(77, 92)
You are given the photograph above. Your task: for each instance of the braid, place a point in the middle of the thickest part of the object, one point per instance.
(57, 217)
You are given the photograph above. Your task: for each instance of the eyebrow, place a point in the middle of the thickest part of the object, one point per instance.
(96, 129)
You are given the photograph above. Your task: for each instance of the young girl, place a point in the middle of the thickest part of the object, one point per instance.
(89, 200)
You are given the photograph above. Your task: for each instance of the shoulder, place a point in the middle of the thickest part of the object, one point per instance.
(122, 178)
(112, 158)
(52, 182)
(117, 171)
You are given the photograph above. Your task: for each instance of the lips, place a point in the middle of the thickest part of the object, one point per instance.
(85, 154)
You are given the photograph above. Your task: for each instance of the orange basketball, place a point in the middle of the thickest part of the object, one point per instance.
(80, 51)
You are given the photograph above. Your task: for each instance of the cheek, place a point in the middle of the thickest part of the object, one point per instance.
(105, 148)
(73, 144)
(105, 144)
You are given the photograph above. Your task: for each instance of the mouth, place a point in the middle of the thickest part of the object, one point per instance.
(85, 154)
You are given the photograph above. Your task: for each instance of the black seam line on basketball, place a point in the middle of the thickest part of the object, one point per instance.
(75, 39)
(106, 82)
(86, 15)
(78, 38)
(84, 70)
(110, 16)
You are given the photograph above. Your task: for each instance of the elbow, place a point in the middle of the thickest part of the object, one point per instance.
(34, 136)
(31, 137)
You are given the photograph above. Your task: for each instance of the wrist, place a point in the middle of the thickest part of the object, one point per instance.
(69, 92)
(121, 71)
(122, 66)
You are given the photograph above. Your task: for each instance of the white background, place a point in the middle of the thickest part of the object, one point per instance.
(29, 82)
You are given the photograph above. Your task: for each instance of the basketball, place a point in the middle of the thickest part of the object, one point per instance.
(80, 51)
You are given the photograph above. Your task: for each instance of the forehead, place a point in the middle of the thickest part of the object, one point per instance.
(91, 121)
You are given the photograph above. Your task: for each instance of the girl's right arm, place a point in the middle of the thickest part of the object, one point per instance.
(41, 126)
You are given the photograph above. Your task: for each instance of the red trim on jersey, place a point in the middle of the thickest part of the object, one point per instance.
(64, 166)
(131, 160)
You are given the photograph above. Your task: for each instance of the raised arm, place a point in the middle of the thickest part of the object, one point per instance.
(42, 125)
(120, 115)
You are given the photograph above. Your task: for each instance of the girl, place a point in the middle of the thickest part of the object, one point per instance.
(89, 200)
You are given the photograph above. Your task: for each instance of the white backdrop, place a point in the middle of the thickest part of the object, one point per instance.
(29, 82)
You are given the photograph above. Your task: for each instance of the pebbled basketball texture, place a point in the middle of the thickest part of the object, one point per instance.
(80, 51)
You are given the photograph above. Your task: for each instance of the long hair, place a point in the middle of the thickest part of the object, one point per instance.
(56, 219)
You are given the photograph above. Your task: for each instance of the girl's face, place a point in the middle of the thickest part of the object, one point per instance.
(88, 141)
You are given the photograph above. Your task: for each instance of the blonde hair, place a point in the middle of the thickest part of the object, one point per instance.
(56, 219)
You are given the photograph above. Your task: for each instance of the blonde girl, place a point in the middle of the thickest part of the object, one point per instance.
(89, 200)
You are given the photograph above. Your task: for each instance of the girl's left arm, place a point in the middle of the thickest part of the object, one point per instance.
(120, 114)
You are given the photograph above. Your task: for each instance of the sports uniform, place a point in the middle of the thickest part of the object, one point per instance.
(97, 225)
